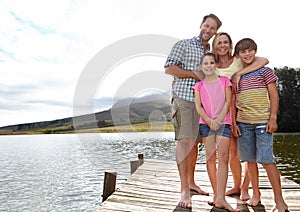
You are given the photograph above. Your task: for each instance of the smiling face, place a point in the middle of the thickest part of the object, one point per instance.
(208, 65)
(246, 49)
(222, 45)
(208, 29)
(247, 56)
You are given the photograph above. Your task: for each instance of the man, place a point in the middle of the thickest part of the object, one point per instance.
(183, 63)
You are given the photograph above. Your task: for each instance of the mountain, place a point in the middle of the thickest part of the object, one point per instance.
(154, 107)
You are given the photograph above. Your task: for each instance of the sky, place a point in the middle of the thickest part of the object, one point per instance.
(61, 58)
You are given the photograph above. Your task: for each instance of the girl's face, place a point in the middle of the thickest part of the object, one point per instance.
(208, 66)
(223, 46)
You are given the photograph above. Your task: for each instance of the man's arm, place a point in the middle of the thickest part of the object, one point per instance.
(178, 72)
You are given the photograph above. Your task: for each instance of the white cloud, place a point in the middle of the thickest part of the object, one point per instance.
(45, 45)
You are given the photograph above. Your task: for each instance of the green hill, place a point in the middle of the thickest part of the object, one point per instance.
(124, 112)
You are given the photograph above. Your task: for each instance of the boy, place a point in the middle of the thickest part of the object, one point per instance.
(256, 101)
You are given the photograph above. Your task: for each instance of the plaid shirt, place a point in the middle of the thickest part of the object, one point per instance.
(186, 54)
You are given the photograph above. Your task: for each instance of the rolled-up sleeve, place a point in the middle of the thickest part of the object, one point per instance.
(176, 55)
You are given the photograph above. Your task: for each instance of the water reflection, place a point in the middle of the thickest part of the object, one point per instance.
(286, 151)
(65, 172)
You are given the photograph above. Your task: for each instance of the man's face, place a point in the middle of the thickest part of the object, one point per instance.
(208, 29)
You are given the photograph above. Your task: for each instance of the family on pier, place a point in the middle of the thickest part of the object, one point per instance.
(229, 99)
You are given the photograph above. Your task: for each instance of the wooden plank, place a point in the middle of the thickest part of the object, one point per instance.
(155, 186)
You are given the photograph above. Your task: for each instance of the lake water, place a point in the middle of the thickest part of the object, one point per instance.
(65, 172)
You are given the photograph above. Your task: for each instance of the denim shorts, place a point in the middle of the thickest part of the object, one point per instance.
(205, 131)
(255, 144)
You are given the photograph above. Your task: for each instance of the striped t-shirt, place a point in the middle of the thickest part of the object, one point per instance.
(252, 98)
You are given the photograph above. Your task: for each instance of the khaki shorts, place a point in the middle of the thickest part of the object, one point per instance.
(185, 119)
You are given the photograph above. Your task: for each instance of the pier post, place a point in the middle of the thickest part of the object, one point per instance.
(109, 186)
(136, 163)
(141, 159)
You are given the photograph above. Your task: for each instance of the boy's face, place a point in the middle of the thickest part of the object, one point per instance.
(247, 56)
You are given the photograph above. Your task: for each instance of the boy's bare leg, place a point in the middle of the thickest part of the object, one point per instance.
(274, 178)
(245, 186)
(253, 174)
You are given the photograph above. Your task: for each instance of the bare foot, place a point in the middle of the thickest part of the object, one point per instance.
(225, 205)
(212, 203)
(185, 201)
(244, 195)
(198, 190)
(253, 202)
(184, 204)
(233, 191)
(281, 207)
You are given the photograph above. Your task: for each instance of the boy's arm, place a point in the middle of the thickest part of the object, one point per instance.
(258, 62)
(178, 72)
(213, 125)
(274, 104)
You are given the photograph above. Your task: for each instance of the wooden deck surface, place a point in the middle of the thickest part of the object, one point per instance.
(155, 186)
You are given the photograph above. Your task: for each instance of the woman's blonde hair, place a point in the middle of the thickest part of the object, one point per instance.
(216, 40)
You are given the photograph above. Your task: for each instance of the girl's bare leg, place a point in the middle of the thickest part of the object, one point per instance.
(222, 173)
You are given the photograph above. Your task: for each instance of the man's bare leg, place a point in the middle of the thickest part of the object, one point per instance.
(192, 183)
(183, 158)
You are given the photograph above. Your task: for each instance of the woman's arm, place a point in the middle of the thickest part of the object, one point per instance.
(235, 129)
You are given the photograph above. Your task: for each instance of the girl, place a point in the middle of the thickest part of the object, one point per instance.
(213, 99)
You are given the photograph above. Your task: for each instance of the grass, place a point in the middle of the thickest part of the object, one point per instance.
(140, 127)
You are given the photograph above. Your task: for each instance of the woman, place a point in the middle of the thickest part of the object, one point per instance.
(227, 65)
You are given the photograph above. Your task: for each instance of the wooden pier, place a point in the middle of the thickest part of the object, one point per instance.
(155, 186)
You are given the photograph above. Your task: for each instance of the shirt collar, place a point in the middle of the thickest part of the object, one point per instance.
(199, 40)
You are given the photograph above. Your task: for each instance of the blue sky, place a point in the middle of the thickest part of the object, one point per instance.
(46, 45)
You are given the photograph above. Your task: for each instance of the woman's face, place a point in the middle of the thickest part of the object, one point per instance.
(223, 46)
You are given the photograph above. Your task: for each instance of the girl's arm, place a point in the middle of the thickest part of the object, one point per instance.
(259, 62)
(226, 107)
(213, 125)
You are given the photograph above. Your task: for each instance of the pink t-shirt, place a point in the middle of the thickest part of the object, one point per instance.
(213, 97)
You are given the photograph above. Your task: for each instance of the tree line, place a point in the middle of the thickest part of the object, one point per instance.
(288, 87)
